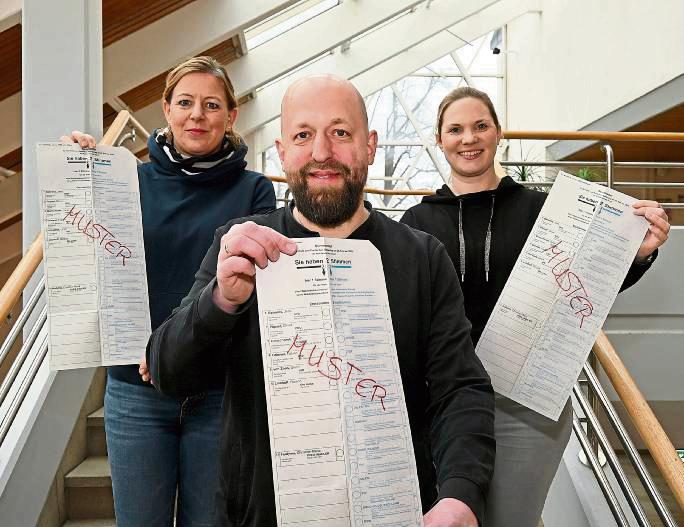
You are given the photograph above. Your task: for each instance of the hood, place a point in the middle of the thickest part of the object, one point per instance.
(200, 169)
(445, 195)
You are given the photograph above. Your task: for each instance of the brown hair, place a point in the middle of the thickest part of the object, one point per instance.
(203, 64)
(463, 93)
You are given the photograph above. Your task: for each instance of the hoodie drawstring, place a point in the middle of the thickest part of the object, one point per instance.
(461, 241)
(488, 241)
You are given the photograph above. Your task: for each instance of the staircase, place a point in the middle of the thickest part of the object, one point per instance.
(81, 491)
(88, 487)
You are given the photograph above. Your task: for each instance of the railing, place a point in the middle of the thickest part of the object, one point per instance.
(640, 413)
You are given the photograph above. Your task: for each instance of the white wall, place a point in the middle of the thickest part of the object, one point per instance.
(578, 60)
(646, 326)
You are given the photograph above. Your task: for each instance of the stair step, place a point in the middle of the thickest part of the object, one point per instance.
(97, 417)
(92, 472)
(101, 522)
(97, 442)
(88, 491)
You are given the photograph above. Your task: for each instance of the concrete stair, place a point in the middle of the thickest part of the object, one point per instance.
(88, 487)
(97, 444)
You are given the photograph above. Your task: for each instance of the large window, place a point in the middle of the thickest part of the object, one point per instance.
(404, 114)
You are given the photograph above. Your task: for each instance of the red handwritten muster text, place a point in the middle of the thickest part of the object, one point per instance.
(569, 282)
(336, 369)
(95, 231)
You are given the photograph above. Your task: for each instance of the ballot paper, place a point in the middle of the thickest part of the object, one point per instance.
(340, 440)
(94, 256)
(559, 293)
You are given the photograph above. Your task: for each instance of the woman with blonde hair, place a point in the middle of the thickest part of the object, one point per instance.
(164, 451)
(483, 221)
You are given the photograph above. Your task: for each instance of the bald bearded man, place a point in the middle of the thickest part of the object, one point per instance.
(325, 151)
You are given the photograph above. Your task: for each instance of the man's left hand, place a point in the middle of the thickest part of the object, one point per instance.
(657, 230)
(450, 512)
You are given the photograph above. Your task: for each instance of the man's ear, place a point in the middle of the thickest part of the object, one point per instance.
(281, 150)
(372, 145)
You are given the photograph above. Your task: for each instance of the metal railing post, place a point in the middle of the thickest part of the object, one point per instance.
(594, 425)
(601, 478)
(595, 408)
(610, 160)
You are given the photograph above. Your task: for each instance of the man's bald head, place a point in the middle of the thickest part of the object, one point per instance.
(325, 148)
(309, 86)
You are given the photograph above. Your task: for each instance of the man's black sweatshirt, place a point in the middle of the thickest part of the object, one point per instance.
(448, 394)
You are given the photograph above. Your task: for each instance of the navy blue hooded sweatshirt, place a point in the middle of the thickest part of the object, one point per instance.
(180, 213)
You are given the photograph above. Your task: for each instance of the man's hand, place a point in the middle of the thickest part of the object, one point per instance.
(84, 140)
(657, 230)
(450, 512)
(242, 248)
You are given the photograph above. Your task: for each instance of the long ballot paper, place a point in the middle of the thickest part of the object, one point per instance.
(98, 310)
(559, 293)
(340, 439)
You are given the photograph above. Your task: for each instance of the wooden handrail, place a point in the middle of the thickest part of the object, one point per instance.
(594, 136)
(115, 129)
(645, 421)
(22, 273)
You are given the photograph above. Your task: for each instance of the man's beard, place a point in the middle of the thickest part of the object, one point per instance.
(327, 207)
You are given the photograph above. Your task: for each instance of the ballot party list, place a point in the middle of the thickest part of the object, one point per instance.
(340, 439)
(96, 283)
(559, 293)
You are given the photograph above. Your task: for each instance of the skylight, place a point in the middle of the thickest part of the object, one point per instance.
(286, 20)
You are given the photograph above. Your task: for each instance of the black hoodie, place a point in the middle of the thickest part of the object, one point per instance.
(509, 213)
(180, 213)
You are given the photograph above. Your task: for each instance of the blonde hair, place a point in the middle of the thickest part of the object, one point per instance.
(203, 64)
(463, 93)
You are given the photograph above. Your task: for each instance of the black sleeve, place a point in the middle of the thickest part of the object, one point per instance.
(636, 271)
(193, 340)
(461, 407)
(264, 199)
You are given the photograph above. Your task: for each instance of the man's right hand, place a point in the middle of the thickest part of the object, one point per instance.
(84, 140)
(244, 247)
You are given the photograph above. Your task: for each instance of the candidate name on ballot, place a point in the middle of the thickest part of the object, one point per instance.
(559, 293)
(340, 440)
(98, 310)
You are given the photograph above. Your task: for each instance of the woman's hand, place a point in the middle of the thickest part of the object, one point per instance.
(657, 230)
(84, 140)
(143, 371)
